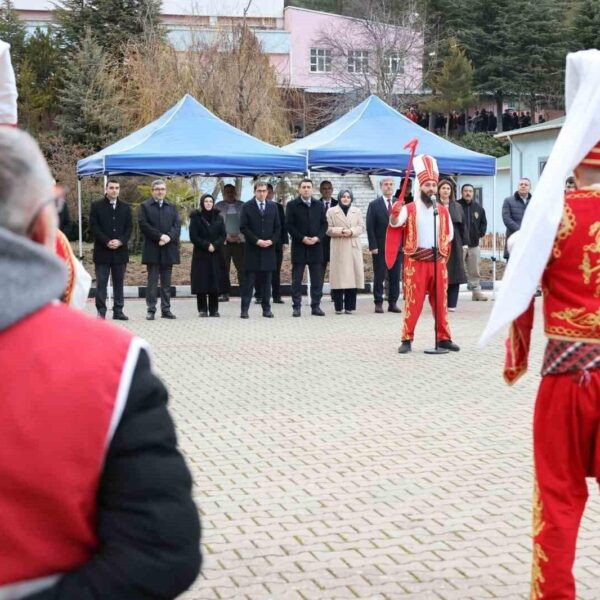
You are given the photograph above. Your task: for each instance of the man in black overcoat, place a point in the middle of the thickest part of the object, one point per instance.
(378, 217)
(259, 223)
(160, 223)
(306, 224)
(110, 224)
(326, 189)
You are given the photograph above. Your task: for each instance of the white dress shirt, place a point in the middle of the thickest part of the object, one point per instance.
(424, 224)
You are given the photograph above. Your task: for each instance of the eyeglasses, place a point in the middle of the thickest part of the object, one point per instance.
(59, 204)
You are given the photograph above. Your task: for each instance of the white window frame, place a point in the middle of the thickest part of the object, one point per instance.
(391, 58)
(320, 60)
(358, 58)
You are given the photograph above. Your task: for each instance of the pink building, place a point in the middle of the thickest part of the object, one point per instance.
(330, 53)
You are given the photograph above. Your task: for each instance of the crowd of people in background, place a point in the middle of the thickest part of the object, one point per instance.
(325, 236)
(483, 120)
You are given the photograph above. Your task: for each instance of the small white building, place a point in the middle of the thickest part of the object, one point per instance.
(530, 148)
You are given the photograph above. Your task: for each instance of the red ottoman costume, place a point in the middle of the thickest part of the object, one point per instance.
(415, 222)
(566, 427)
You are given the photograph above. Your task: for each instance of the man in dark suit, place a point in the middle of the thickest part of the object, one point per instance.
(159, 222)
(326, 189)
(306, 223)
(377, 222)
(280, 244)
(110, 223)
(259, 223)
(513, 209)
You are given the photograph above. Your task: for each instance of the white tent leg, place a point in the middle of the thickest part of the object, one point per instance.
(494, 257)
(80, 218)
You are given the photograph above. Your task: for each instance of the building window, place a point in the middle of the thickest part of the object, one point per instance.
(358, 61)
(478, 195)
(320, 60)
(542, 164)
(394, 63)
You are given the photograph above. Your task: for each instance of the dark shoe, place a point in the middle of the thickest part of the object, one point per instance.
(120, 317)
(215, 314)
(257, 300)
(317, 312)
(203, 314)
(348, 312)
(378, 308)
(168, 315)
(224, 298)
(339, 312)
(278, 301)
(150, 317)
(448, 345)
(244, 315)
(405, 347)
(393, 308)
(296, 312)
(268, 314)
(103, 317)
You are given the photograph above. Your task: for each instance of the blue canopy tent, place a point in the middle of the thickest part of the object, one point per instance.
(370, 139)
(185, 141)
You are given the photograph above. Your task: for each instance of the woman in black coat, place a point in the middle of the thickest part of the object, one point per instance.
(455, 264)
(207, 233)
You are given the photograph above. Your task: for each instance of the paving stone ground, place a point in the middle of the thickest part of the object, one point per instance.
(327, 466)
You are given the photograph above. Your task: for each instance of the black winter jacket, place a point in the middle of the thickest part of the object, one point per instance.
(476, 222)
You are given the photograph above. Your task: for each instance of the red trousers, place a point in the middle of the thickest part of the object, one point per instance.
(417, 280)
(566, 440)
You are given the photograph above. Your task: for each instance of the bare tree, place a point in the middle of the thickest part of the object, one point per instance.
(380, 53)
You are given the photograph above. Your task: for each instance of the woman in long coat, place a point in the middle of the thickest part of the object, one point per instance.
(456, 263)
(346, 269)
(207, 233)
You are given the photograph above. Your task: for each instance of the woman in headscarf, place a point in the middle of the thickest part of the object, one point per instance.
(207, 233)
(346, 269)
(455, 263)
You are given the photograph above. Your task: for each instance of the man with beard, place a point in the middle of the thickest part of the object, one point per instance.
(420, 259)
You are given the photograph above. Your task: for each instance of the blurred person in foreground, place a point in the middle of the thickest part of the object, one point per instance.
(559, 243)
(95, 499)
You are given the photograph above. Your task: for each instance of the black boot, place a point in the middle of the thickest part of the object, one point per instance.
(405, 347)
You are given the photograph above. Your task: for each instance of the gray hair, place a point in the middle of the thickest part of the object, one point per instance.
(386, 178)
(158, 182)
(25, 179)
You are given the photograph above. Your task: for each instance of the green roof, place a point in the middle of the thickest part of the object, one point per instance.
(547, 126)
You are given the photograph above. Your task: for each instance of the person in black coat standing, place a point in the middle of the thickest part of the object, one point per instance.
(455, 263)
(259, 223)
(280, 244)
(326, 190)
(378, 217)
(307, 225)
(207, 234)
(110, 224)
(159, 222)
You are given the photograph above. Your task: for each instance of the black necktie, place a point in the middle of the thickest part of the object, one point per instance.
(389, 207)
(262, 208)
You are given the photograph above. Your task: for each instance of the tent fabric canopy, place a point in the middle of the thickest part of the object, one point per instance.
(189, 140)
(370, 139)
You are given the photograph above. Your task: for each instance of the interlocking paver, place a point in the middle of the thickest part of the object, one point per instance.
(328, 466)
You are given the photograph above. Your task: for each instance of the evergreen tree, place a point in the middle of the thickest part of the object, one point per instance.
(90, 98)
(13, 32)
(453, 83)
(113, 23)
(39, 80)
(487, 37)
(541, 52)
(585, 32)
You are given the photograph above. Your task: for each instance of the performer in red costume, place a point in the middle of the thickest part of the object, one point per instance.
(565, 252)
(416, 221)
